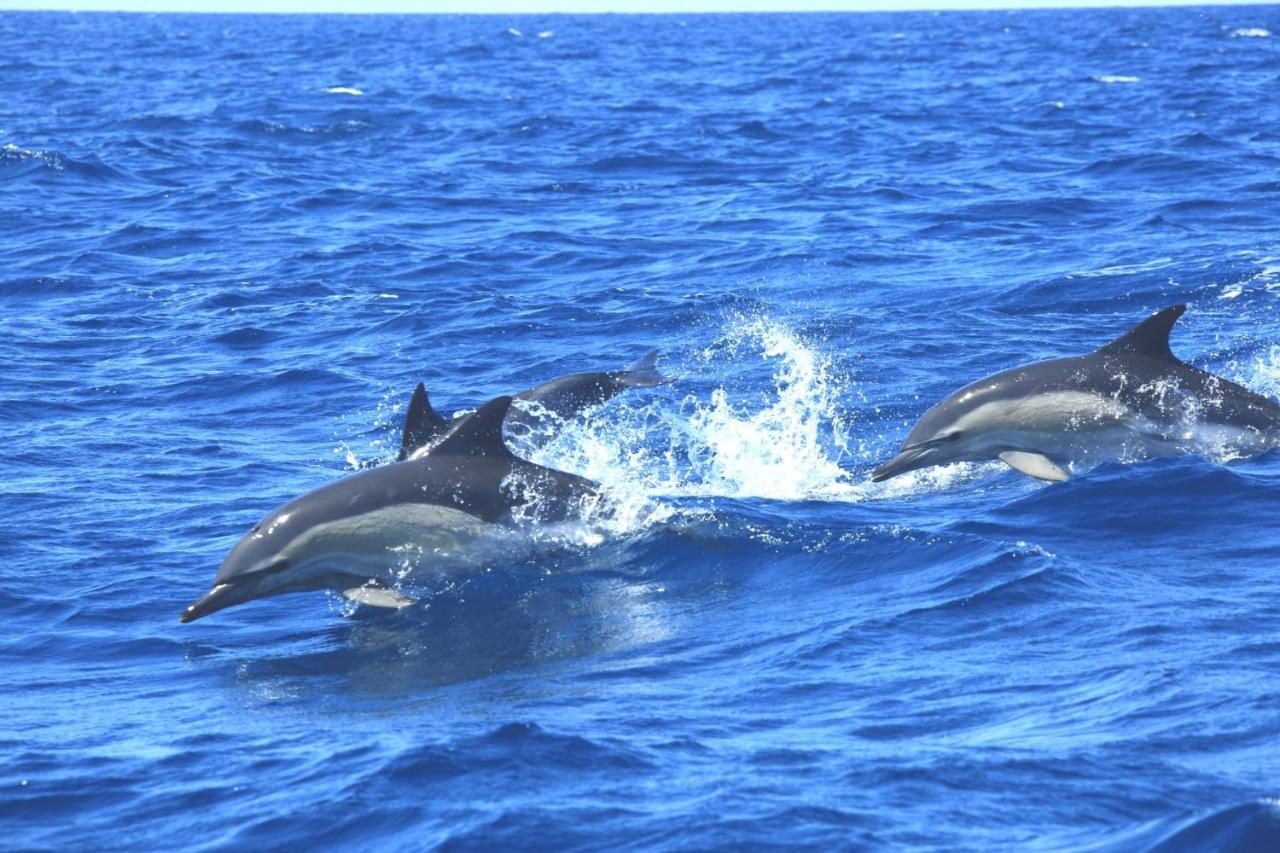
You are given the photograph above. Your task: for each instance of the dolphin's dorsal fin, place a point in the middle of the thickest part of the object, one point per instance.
(1150, 337)
(643, 373)
(421, 423)
(478, 434)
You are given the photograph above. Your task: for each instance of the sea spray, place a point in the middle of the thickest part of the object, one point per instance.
(783, 439)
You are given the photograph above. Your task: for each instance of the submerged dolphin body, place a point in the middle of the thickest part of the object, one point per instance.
(347, 535)
(560, 399)
(1132, 399)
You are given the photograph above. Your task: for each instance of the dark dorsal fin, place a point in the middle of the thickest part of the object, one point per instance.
(421, 424)
(644, 372)
(478, 434)
(1150, 337)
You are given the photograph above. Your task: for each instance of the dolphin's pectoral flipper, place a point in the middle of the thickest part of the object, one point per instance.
(1035, 465)
(1150, 337)
(376, 594)
(643, 373)
(421, 424)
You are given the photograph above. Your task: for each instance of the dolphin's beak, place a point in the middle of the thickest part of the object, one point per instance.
(220, 596)
(237, 589)
(907, 460)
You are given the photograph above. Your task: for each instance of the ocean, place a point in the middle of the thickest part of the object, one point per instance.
(230, 246)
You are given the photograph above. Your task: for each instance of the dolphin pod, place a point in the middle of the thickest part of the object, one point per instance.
(1132, 399)
(455, 479)
(342, 536)
(452, 482)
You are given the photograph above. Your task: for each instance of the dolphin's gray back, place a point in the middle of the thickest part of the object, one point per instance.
(568, 395)
(486, 488)
(1194, 392)
(474, 471)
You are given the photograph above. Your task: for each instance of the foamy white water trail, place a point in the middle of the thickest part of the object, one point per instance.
(784, 441)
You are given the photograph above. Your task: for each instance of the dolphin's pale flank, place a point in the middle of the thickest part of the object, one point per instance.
(1130, 400)
(559, 400)
(349, 535)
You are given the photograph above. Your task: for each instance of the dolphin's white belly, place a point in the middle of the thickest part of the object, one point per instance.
(1085, 429)
(1053, 412)
(390, 540)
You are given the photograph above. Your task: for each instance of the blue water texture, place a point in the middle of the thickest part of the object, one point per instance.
(230, 246)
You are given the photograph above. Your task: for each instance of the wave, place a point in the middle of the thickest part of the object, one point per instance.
(1247, 826)
(19, 161)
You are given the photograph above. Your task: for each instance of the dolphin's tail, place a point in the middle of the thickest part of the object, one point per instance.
(644, 372)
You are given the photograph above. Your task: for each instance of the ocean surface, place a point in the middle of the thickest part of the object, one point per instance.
(231, 245)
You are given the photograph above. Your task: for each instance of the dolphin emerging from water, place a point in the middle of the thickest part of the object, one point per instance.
(1132, 399)
(560, 399)
(347, 535)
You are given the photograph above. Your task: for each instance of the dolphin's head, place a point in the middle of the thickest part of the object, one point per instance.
(349, 535)
(941, 436)
(923, 449)
(316, 541)
(259, 565)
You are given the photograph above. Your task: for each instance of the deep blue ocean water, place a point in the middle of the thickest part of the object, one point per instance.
(230, 246)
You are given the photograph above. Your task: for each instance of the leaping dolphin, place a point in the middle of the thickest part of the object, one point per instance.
(562, 399)
(1132, 399)
(345, 535)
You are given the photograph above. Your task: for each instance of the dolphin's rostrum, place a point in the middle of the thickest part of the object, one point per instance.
(1132, 399)
(342, 536)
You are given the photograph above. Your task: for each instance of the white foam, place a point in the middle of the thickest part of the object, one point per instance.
(513, 31)
(50, 159)
(1250, 32)
(1112, 79)
(344, 90)
(1262, 375)
(786, 444)
(1267, 277)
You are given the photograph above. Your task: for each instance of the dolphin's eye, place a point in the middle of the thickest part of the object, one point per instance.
(952, 436)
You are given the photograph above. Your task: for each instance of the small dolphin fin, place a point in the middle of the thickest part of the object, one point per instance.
(1034, 465)
(1150, 337)
(478, 434)
(421, 424)
(643, 373)
(375, 594)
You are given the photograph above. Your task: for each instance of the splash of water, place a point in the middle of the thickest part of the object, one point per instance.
(1263, 373)
(785, 443)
